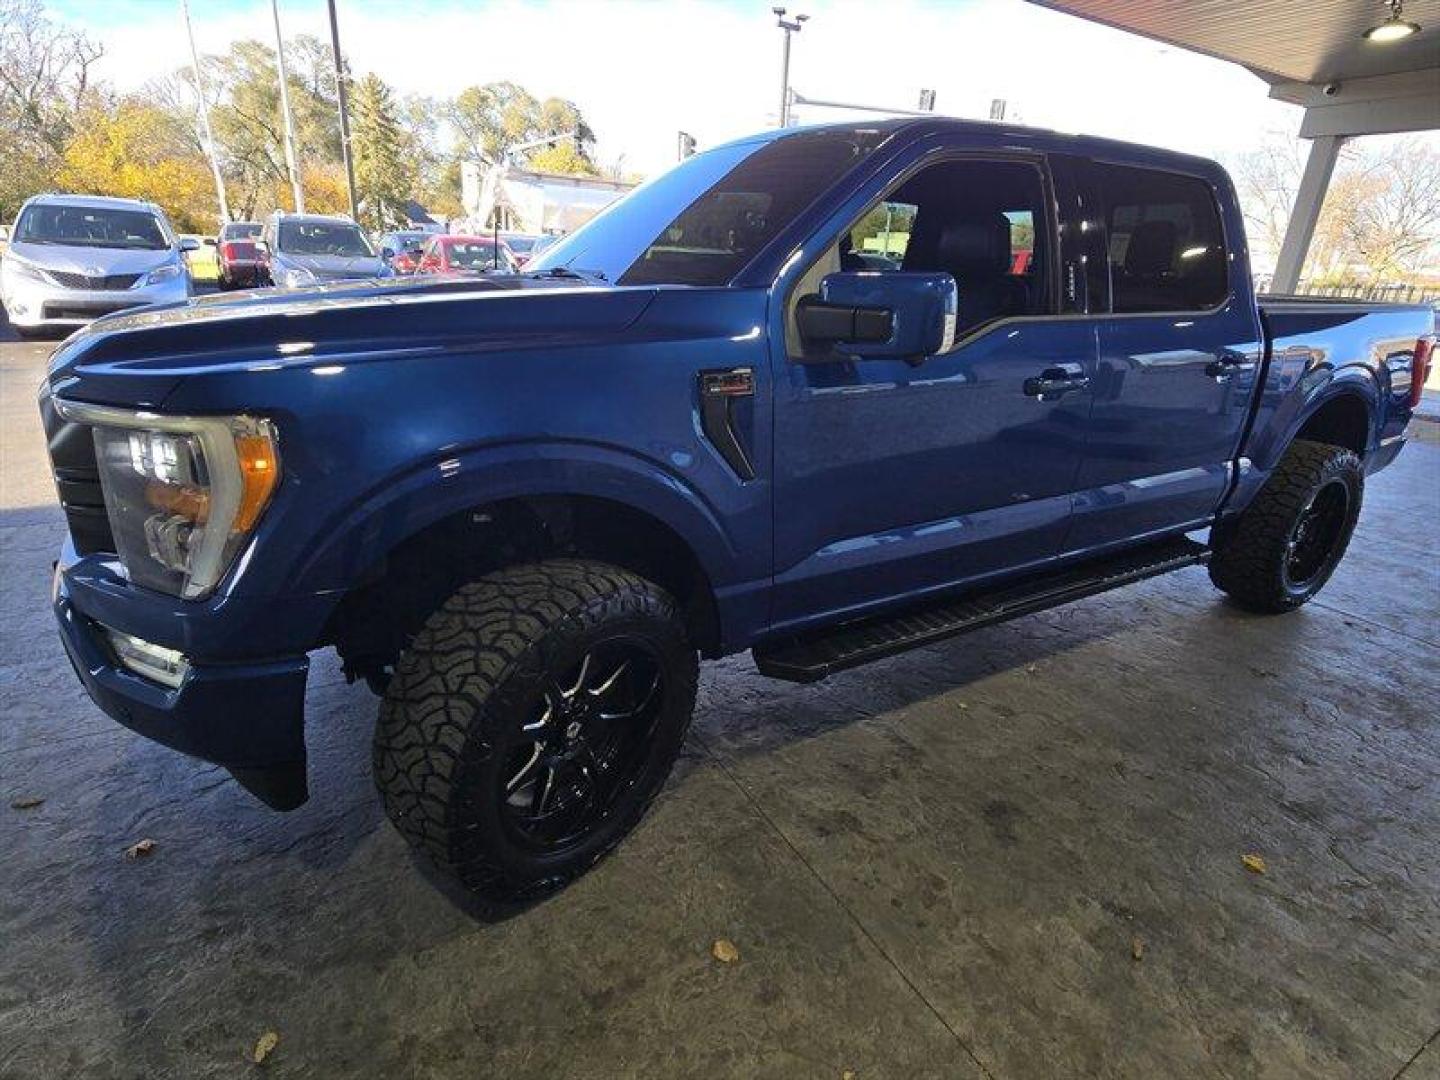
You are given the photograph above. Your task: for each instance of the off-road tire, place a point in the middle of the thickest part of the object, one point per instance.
(453, 711)
(1250, 562)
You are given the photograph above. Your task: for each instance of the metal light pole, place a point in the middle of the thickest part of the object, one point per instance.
(790, 26)
(290, 160)
(344, 113)
(210, 150)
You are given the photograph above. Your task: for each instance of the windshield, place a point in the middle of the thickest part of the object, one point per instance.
(404, 241)
(477, 255)
(323, 238)
(240, 230)
(704, 220)
(520, 245)
(89, 226)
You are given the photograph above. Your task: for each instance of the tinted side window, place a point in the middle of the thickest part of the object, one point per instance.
(1167, 248)
(975, 220)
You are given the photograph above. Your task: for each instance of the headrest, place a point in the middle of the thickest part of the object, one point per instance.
(1151, 249)
(979, 245)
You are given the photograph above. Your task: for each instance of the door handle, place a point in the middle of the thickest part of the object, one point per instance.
(1055, 382)
(1227, 363)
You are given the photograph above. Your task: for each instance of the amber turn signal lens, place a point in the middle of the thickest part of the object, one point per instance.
(259, 472)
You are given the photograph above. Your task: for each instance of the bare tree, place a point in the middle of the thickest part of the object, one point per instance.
(1381, 217)
(45, 79)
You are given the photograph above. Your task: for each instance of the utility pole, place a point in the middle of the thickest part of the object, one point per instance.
(790, 26)
(290, 160)
(340, 93)
(210, 150)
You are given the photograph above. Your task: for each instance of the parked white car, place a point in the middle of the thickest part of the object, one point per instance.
(73, 258)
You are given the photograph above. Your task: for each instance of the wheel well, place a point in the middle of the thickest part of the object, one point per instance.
(1344, 420)
(377, 619)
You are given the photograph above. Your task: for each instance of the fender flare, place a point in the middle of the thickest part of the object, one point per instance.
(406, 504)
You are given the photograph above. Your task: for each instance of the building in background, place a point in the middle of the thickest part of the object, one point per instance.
(513, 199)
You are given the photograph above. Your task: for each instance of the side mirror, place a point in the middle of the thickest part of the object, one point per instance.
(189, 243)
(210, 241)
(864, 314)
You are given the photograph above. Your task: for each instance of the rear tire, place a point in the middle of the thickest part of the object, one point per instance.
(531, 722)
(1285, 545)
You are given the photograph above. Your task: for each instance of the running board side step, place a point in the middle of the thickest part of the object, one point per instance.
(811, 657)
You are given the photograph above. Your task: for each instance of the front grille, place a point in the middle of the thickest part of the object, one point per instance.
(77, 479)
(106, 283)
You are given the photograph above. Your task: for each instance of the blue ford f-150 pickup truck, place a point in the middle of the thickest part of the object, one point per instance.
(823, 394)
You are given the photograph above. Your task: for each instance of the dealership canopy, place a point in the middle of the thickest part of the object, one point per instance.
(1315, 54)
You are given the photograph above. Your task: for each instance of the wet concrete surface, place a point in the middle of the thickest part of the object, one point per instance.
(944, 865)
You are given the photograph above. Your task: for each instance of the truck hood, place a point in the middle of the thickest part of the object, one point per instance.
(137, 358)
(92, 261)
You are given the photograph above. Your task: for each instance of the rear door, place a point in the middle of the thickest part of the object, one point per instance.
(894, 477)
(1176, 357)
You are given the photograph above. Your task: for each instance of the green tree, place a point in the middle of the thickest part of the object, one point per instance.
(383, 175)
(490, 119)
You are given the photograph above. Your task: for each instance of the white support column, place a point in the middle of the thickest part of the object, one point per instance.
(1319, 167)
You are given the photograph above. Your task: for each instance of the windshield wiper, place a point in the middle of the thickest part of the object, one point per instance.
(569, 272)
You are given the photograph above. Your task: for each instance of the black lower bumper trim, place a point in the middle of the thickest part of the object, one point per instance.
(280, 787)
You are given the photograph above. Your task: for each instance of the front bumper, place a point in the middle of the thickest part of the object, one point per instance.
(248, 716)
(39, 304)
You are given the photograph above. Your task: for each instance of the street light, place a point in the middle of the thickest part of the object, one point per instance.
(790, 26)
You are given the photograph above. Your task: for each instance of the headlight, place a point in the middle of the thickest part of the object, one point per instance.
(20, 268)
(162, 273)
(297, 276)
(183, 494)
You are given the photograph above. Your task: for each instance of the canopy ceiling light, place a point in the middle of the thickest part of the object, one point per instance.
(1392, 29)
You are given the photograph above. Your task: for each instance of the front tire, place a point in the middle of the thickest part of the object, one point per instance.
(531, 722)
(1285, 545)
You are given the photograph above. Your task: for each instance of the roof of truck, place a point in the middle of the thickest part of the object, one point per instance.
(1024, 138)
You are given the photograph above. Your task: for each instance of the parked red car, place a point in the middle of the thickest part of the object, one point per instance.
(466, 255)
(241, 266)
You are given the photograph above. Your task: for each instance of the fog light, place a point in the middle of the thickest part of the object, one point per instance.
(165, 666)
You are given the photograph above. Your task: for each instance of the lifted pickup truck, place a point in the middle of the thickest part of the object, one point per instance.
(795, 396)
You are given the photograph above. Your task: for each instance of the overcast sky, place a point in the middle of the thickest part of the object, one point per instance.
(641, 71)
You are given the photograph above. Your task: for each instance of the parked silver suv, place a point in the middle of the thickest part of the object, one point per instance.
(311, 249)
(73, 258)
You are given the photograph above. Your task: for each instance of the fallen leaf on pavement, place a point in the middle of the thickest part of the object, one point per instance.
(28, 802)
(848, 1074)
(140, 849)
(265, 1046)
(1137, 948)
(1254, 863)
(725, 951)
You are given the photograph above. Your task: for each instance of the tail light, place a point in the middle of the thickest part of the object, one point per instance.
(1420, 369)
(227, 250)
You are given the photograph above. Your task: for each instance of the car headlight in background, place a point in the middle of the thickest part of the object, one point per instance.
(20, 268)
(297, 276)
(183, 494)
(163, 273)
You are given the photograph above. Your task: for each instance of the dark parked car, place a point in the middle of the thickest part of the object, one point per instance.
(313, 249)
(522, 507)
(525, 246)
(241, 266)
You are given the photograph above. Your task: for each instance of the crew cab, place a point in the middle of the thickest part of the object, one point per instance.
(522, 507)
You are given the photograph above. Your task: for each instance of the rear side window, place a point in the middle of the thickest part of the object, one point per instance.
(720, 232)
(1167, 248)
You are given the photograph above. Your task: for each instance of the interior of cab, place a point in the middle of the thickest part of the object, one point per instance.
(974, 220)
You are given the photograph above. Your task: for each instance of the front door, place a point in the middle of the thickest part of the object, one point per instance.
(893, 477)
